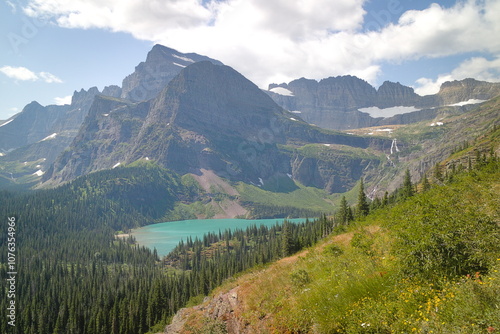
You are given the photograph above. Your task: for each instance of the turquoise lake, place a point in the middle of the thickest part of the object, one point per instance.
(165, 236)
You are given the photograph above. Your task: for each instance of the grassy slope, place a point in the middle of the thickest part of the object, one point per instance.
(430, 264)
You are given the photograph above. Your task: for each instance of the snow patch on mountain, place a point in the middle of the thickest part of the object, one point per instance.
(387, 112)
(7, 122)
(281, 91)
(469, 101)
(52, 136)
(179, 65)
(183, 58)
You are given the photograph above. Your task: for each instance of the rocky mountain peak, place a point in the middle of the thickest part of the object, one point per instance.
(162, 65)
(213, 94)
(83, 95)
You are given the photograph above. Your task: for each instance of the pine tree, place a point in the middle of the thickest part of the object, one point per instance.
(437, 173)
(425, 183)
(344, 215)
(362, 208)
(385, 200)
(407, 185)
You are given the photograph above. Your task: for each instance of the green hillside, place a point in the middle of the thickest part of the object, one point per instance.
(430, 264)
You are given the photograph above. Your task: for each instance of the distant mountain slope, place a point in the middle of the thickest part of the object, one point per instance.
(347, 102)
(35, 122)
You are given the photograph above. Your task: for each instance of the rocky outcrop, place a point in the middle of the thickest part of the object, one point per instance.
(104, 140)
(336, 173)
(459, 91)
(220, 311)
(329, 103)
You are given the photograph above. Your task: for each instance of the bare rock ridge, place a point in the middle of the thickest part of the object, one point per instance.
(334, 103)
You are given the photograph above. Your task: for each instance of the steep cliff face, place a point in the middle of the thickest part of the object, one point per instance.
(392, 94)
(331, 169)
(331, 101)
(202, 120)
(335, 103)
(162, 65)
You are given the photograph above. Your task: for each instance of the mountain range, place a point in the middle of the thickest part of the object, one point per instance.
(347, 102)
(209, 117)
(193, 115)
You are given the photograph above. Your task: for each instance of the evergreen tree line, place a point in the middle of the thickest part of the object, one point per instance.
(217, 256)
(74, 276)
(263, 211)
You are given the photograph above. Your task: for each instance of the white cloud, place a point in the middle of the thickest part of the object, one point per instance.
(24, 74)
(49, 77)
(19, 73)
(280, 40)
(477, 67)
(62, 100)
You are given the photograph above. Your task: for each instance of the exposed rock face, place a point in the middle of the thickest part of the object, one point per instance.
(36, 122)
(209, 117)
(392, 94)
(329, 103)
(335, 175)
(103, 141)
(221, 310)
(334, 103)
(113, 91)
(162, 65)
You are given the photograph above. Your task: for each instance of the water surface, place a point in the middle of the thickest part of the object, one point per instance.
(165, 236)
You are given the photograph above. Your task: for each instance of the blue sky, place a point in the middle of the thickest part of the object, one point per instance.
(52, 47)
